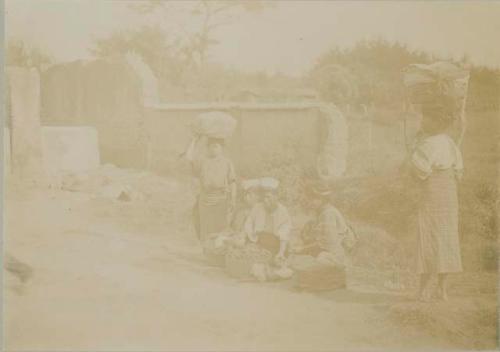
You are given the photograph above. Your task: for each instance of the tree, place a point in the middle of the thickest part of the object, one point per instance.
(373, 69)
(209, 15)
(151, 43)
(20, 54)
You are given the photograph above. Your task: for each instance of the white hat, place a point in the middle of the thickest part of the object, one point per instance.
(269, 183)
(248, 184)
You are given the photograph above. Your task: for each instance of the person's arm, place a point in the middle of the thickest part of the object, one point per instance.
(232, 185)
(459, 164)
(283, 232)
(331, 229)
(340, 222)
(249, 226)
(192, 158)
(421, 161)
(233, 195)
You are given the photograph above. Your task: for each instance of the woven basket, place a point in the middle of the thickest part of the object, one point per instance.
(239, 262)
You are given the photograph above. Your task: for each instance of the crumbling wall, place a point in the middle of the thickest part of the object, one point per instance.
(103, 94)
(69, 149)
(264, 133)
(25, 131)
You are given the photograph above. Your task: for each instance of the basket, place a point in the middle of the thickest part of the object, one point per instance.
(239, 261)
(428, 84)
(214, 124)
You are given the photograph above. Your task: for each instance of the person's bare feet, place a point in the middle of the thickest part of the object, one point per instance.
(442, 293)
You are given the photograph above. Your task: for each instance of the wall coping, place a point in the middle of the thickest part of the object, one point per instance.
(229, 106)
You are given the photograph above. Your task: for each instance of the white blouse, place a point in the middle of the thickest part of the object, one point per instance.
(437, 152)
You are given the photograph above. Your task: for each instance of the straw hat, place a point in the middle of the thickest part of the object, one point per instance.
(251, 184)
(269, 183)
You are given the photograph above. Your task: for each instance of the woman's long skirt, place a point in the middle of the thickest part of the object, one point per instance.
(438, 249)
(213, 211)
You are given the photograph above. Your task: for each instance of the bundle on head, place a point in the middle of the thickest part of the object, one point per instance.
(427, 84)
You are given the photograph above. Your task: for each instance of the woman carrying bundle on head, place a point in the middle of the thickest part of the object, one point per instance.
(437, 164)
(215, 172)
(217, 194)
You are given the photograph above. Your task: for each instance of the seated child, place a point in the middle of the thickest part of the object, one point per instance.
(328, 230)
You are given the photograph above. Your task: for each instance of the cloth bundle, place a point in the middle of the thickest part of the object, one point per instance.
(436, 84)
(214, 124)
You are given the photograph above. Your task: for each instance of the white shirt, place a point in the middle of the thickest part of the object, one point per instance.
(437, 152)
(259, 220)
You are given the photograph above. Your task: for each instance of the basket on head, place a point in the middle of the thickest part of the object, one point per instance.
(214, 124)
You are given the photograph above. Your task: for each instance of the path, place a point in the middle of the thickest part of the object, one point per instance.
(97, 285)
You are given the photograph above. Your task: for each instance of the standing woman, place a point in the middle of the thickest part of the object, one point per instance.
(217, 195)
(437, 164)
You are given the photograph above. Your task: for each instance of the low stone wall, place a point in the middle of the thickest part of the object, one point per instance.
(264, 132)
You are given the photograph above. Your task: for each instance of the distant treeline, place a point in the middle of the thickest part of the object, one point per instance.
(374, 70)
(367, 74)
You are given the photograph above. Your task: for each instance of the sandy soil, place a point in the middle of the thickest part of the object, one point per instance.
(110, 275)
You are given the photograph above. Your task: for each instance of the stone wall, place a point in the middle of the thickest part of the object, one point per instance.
(26, 159)
(106, 95)
(264, 132)
(69, 149)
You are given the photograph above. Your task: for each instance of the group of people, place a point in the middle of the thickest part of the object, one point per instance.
(257, 216)
(234, 213)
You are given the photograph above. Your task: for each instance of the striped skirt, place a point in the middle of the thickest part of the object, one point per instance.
(213, 213)
(438, 249)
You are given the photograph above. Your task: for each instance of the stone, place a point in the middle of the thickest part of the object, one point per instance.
(25, 130)
(70, 150)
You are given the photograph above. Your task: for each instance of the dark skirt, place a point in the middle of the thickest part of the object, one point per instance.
(212, 214)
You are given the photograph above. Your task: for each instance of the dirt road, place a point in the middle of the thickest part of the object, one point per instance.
(109, 275)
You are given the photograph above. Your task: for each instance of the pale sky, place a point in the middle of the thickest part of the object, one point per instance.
(288, 37)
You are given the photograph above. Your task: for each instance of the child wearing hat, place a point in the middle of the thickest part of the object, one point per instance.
(269, 223)
(250, 196)
(327, 231)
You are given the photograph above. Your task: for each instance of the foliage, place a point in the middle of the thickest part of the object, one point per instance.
(208, 14)
(374, 68)
(18, 53)
(478, 207)
(151, 43)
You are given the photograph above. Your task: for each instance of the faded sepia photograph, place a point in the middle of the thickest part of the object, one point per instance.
(214, 175)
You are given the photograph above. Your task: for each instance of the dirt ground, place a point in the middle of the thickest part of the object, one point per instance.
(103, 274)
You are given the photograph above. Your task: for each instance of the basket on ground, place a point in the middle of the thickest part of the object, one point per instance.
(239, 261)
